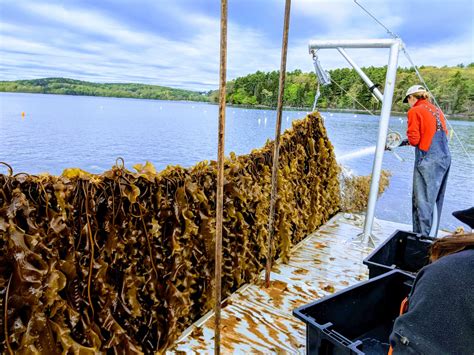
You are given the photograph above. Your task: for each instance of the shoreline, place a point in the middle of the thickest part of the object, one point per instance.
(455, 117)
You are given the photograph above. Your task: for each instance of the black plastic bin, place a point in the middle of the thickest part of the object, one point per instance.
(405, 251)
(350, 321)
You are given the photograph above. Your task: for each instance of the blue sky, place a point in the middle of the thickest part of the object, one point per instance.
(176, 42)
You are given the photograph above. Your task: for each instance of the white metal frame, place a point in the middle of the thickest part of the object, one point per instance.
(387, 97)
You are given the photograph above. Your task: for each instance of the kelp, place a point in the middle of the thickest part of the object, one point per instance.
(123, 262)
(355, 190)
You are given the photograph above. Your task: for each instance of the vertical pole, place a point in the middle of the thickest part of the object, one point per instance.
(281, 92)
(220, 177)
(382, 136)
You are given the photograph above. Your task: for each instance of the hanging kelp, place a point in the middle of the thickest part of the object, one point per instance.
(355, 190)
(124, 261)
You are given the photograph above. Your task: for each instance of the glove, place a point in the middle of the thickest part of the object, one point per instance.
(404, 142)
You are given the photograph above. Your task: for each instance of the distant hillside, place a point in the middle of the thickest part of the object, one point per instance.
(65, 86)
(453, 88)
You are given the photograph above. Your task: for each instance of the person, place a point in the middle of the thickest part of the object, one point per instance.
(440, 314)
(466, 216)
(428, 134)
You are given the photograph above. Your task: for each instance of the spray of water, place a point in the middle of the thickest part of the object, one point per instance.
(357, 154)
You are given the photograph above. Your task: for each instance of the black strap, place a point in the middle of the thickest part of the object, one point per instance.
(436, 115)
(372, 88)
(404, 142)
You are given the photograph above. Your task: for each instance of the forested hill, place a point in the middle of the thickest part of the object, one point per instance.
(65, 86)
(453, 88)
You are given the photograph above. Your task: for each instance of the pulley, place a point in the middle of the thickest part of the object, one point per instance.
(322, 75)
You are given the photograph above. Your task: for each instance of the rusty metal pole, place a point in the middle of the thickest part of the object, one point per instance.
(220, 178)
(281, 92)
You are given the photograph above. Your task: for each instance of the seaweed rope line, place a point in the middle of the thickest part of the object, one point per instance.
(405, 51)
(5, 316)
(120, 166)
(281, 91)
(220, 178)
(10, 173)
(91, 246)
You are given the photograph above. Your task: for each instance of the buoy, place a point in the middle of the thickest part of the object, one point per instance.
(23, 114)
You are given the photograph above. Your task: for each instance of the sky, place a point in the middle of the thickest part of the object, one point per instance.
(176, 42)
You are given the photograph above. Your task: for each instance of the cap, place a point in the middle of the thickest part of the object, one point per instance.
(413, 89)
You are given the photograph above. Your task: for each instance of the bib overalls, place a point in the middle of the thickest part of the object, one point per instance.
(429, 179)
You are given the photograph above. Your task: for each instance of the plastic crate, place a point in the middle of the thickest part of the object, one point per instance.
(405, 251)
(344, 322)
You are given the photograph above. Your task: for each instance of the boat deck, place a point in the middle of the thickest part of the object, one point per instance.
(256, 319)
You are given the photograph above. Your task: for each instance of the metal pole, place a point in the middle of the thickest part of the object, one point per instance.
(351, 43)
(220, 178)
(281, 92)
(382, 136)
(359, 71)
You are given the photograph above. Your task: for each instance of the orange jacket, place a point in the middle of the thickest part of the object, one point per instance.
(422, 124)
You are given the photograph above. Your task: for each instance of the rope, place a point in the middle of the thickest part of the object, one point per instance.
(5, 316)
(376, 20)
(220, 178)
(281, 91)
(394, 35)
(353, 98)
(316, 97)
(357, 101)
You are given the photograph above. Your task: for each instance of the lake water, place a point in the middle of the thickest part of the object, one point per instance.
(58, 132)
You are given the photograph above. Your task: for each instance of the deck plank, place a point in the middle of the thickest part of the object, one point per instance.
(259, 320)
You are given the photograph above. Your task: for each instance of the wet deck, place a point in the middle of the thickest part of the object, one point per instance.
(256, 319)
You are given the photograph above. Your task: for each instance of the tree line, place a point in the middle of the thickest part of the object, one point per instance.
(453, 88)
(65, 86)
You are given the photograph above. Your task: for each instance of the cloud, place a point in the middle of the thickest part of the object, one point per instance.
(323, 10)
(444, 53)
(101, 45)
(177, 43)
(418, 24)
(105, 45)
(88, 22)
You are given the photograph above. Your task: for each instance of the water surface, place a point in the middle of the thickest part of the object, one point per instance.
(58, 132)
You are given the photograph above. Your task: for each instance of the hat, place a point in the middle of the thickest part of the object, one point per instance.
(413, 89)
